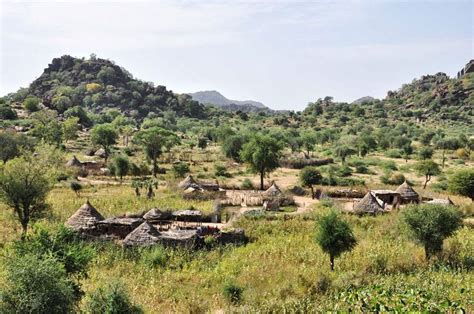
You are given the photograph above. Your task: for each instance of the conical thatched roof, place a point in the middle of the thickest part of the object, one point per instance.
(368, 205)
(273, 190)
(407, 192)
(188, 182)
(74, 162)
(145, 234)
(84, 218)
(153, 214)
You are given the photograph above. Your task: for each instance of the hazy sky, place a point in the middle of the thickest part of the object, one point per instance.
(283, 53)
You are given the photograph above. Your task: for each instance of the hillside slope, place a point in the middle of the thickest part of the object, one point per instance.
(98, 84)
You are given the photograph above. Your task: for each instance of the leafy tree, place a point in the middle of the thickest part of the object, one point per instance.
(111, 298)
(232, 145)
(343, 151)
(24, 184)
(12, 143)
(365, 143)
(310, 176)
(425, 153)
(31, 103)
(430, 224)
(70, 127)
(37, 285)
(47, 127)
(462, 183)
(154, 141)
(334, 236)
(308, 141)
(407, 150)
(104, 135)
(121, 166)
(427, 168)
(262, 153)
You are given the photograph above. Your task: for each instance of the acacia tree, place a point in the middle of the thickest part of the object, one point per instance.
(262, 153)
(344, 151)
(104, 135)
(462, 183)
(334, 236)
(310, 176)
(430, 224)
(121, 166)
(427, 168)
(26, 181)
(154, 141)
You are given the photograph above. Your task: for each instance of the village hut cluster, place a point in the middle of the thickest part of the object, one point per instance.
(381, 201)
(168, 228)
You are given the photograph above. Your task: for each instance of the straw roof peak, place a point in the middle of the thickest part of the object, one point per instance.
(368, 204)
(145, 234)
(85, 217)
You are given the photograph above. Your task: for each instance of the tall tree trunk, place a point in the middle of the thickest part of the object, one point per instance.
(262, 173)
(427, 179)
(155, 167)
(312, 192)
(331, 259)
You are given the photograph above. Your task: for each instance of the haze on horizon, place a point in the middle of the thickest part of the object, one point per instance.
(282, 53)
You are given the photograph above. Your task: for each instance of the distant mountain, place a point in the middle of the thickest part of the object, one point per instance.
(217, 99)
(363, 100)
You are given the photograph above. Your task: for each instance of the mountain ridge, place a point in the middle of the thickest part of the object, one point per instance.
(215, 98)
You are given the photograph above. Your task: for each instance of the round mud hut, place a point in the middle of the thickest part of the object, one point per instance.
(407, 194)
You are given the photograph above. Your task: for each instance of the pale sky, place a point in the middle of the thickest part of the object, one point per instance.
(282, 53)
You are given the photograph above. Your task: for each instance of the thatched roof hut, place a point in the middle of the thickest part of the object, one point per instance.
(188, 182)
(273, 191)
(143, 235)
(85, 218)
(174, 238)
(153, 215)
(368, 205)
(74, 162)
(407, 193)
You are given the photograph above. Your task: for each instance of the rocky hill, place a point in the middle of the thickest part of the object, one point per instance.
(97, 84)
(217, 99)
(435, 97)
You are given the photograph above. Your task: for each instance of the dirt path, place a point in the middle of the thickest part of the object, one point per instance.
(98, 182)
(304, 204)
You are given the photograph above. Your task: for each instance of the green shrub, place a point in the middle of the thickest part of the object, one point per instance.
(221, 171)
(362, 169)
(392, 178)
(154, 256)
(247, 184)
(393, 153)
(180, 170)
(344, 171)
(37, 284)
(388, 165)
(233, 293)
(110, 299)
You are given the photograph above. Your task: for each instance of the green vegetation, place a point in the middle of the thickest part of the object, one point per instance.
(431, 224)
(335, 236)
(416, 258)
